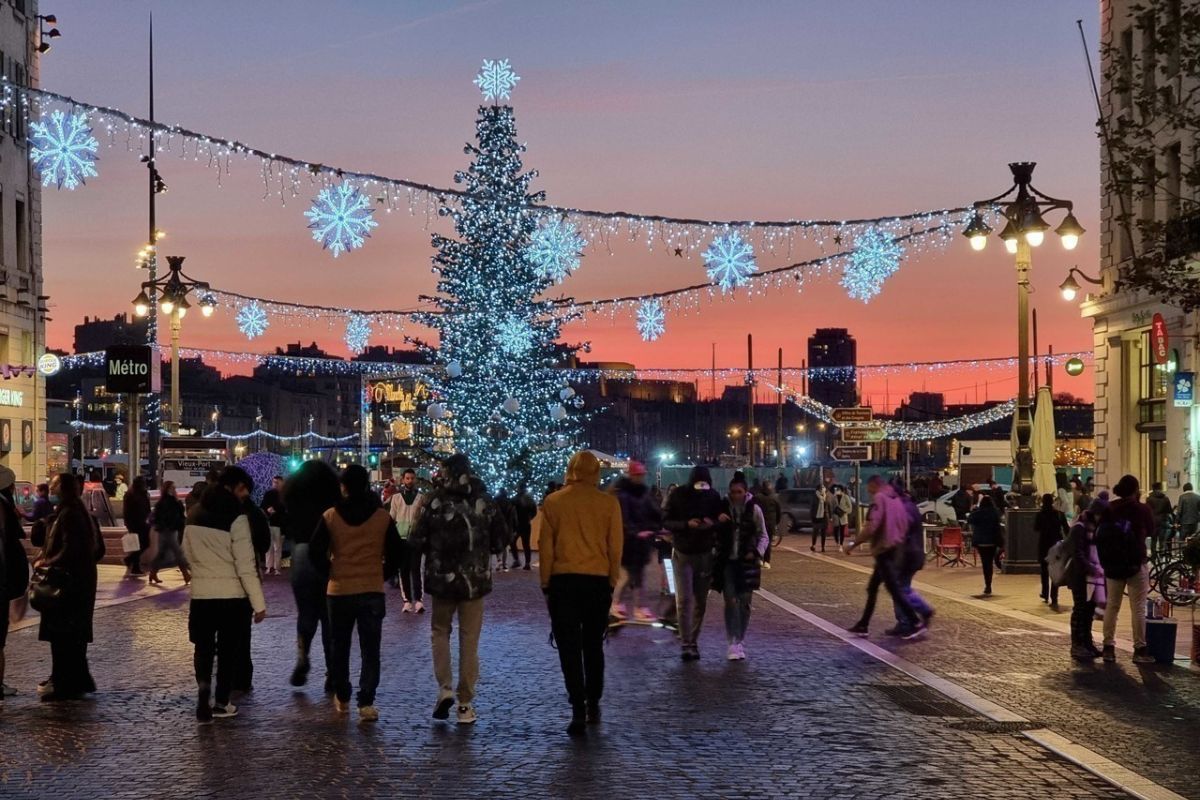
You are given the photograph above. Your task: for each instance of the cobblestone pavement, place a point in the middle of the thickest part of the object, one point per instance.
(1146, 718)
(806, 716)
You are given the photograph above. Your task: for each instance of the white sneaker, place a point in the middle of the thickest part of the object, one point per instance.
(732, 655)
(617, 610)
(419, 607)
(341, 706)
(368, 714)
(644, 615)
(466, 715)
(407, 608)
(741, 652)
(225, 712)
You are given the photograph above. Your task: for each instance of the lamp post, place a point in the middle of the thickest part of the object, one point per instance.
(1021, 208)
(1070, 287)
(172, 291)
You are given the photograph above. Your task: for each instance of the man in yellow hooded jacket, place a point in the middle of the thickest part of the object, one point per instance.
(580, 555)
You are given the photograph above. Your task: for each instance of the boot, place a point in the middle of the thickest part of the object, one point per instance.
(593, 712)
(578, 726)
(300, 673)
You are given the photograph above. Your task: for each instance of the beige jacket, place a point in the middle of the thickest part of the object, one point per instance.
(222, 563)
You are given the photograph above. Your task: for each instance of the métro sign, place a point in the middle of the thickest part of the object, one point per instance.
(853, 415)
(864, 434)
(851, 452)
(131, 369)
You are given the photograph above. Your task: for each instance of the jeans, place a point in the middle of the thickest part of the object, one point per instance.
(364, 611)
(69, 670)
(1139, 587)
(312, 610)
(470, 622)
(169, 550)
(1083, 611)
(215, 628)
(693, 579)
(737, 605)
(1049, 589)
(526, 539)
(885, 573)
(820, 528)
(987, 557)
(904, 577)
(410, 574)
(275, 553)
(579, 618)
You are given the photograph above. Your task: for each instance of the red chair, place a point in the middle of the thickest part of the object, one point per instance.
(950, 548)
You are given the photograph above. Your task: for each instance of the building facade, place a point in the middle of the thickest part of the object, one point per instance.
(22, 309)
(1141, 343)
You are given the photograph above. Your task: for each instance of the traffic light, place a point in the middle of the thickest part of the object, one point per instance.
(293, 464)
(373, 459)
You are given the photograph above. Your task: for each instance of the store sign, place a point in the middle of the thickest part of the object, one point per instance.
(12, 397)
(131, 369)
(1074, 367)
(1158, 340)
(26, 436)
(1185, 389)
(5, 435)
(49, 364)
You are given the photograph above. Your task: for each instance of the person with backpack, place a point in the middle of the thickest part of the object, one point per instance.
(1083, 575)
(910, 559)
(886, 530)
(1121, 545)
(985, 537)
(1051, 525)
(742, 542)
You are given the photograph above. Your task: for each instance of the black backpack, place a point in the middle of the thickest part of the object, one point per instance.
(914, 538)
(1119, 549)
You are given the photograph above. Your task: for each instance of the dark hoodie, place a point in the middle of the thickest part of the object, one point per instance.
(308, 493)
(639, 513)
(697, 500)
(356, 543)
(459, 531)
(217, 509)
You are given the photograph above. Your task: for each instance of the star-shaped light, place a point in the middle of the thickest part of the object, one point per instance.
(340, 218)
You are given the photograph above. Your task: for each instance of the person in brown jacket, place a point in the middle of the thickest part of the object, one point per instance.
(358, 544)
(580, 544)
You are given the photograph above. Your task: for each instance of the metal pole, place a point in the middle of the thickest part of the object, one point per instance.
(176, 409)
(135, 438)
(1023, 464)
(750, 396)
(153, 400)
(780, 456)
(1036, 353)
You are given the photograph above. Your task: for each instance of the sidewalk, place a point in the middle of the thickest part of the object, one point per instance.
(1012, 593)
(112, 589)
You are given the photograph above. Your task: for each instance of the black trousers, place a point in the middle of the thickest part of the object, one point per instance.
(1049, 590)
(1083, 612)
(526, 539)
(885, 573)
(987, 556)
(215, 627)
(820, 528)
(579, 618)
(410, 574)
(69, 670)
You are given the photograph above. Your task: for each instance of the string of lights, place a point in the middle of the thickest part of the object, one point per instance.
(308, 436)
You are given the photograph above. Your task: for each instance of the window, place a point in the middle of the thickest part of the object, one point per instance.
(1148, 57)
(1174, 188)
(1125, 96)
(1174, 36)
(22, 237)
(1148, 187)
(21, 110)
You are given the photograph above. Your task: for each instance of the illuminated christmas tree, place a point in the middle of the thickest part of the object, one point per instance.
(501, 393)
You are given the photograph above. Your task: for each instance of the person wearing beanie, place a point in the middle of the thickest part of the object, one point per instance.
(581, 541)
(692, 516)
(641, 518)
(1121, 545)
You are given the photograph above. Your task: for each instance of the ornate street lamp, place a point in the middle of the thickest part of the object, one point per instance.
(172, 292)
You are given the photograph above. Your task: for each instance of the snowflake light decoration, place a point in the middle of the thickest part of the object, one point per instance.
(358, 333)
(651, 320)
(515, 336)
(340, 218)
(730, 261)
(555, 249)
(876, 258)
(252, 320)
(63, 149)
(496, 80)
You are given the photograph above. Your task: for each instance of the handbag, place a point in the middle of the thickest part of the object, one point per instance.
(131, 543)
(48, 588)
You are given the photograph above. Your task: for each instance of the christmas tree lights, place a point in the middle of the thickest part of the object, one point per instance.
(500, 339)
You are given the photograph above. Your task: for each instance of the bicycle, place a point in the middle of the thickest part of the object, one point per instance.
(1173, 577)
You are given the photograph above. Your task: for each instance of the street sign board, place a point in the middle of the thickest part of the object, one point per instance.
(131, 369)
(1185, 389)
(1159, 341)
(873, 433)
(851, 452)
(852, 415)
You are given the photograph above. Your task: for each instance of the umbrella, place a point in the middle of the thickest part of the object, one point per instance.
(1043, 443)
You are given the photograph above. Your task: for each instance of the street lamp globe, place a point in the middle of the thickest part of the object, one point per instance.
(1069, 287)
(1069, 230)
(167, 304)
(141, 304)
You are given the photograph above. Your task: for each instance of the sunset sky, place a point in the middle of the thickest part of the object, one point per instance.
(719, 110)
